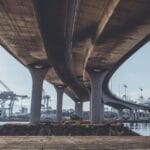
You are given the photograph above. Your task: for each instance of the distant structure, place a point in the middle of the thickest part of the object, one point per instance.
(8, 95)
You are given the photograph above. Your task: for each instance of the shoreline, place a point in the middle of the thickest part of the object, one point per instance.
(66, 129)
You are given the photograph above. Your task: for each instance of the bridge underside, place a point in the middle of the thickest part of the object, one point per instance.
(73, 37)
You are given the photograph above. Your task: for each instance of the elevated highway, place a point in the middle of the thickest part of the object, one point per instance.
(76, 45)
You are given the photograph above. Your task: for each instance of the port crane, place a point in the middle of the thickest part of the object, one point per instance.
(8, 95)
(46, 99)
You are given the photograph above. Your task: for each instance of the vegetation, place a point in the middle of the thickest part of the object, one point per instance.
(65, 129)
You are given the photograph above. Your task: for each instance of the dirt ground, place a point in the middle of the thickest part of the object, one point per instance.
(74, 143)
(65, 129)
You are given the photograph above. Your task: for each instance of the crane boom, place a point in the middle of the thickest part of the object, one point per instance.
(5, 86)
(9, 95)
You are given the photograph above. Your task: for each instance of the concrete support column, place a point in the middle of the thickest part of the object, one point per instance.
(143, 115)
(136, 115)
(131, 114)
(146, 114)
(120, 114)
(78, 109)
(60, 91)
(149, 114)
(38, 75)
(96, 101)
(140, 114)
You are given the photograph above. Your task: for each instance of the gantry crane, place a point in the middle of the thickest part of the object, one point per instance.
(46, 99)
(8, 95)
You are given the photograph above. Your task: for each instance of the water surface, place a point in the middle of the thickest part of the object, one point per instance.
(13, 122)
(140, 128)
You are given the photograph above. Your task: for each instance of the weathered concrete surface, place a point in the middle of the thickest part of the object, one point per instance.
(74, 143)
(72, 36)
(19, 32)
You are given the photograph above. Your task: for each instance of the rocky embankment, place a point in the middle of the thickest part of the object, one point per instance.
(65, 129)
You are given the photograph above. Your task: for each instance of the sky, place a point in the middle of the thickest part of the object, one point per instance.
(18, 79)
(135, 73)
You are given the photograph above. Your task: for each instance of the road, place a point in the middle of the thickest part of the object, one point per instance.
(74, 143)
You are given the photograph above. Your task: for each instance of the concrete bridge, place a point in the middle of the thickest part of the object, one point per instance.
(76, 45)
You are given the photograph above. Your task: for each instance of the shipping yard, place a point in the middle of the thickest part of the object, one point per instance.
(7, 112)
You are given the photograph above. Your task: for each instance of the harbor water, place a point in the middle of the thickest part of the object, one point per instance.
(142, 129)
(13, 122)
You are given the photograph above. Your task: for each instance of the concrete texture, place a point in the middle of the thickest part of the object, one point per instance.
(83, 34)
(75, 143)
(78, 109)
(72, 36)
(96, 102)
(38, 75)
(59, 91)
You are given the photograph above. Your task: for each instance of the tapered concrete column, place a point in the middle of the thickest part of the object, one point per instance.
(78, 109)
(38, 75)
(60, 91)
(120, 114)
(96, 102)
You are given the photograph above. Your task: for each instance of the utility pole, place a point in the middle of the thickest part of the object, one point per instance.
(125, 91)
(141, 94)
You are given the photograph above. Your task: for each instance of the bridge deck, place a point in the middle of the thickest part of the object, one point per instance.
(74, 143)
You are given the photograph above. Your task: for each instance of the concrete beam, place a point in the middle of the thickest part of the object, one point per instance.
(78, 109)
(88, 42)
(60, 92)
(60, 33)
(37, 84)
(96, 102)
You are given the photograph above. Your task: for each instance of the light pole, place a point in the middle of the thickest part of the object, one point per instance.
(125, 91)
(141, 93)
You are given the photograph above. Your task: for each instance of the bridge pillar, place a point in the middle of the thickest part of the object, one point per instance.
(96, 100)
(59, 91)
(78, 109)
(131, 114)
(142, 114)
(148, 114)
(120, 114)
(38, 75)
(136, 115)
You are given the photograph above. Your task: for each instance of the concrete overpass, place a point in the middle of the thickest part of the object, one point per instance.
(76, 45)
